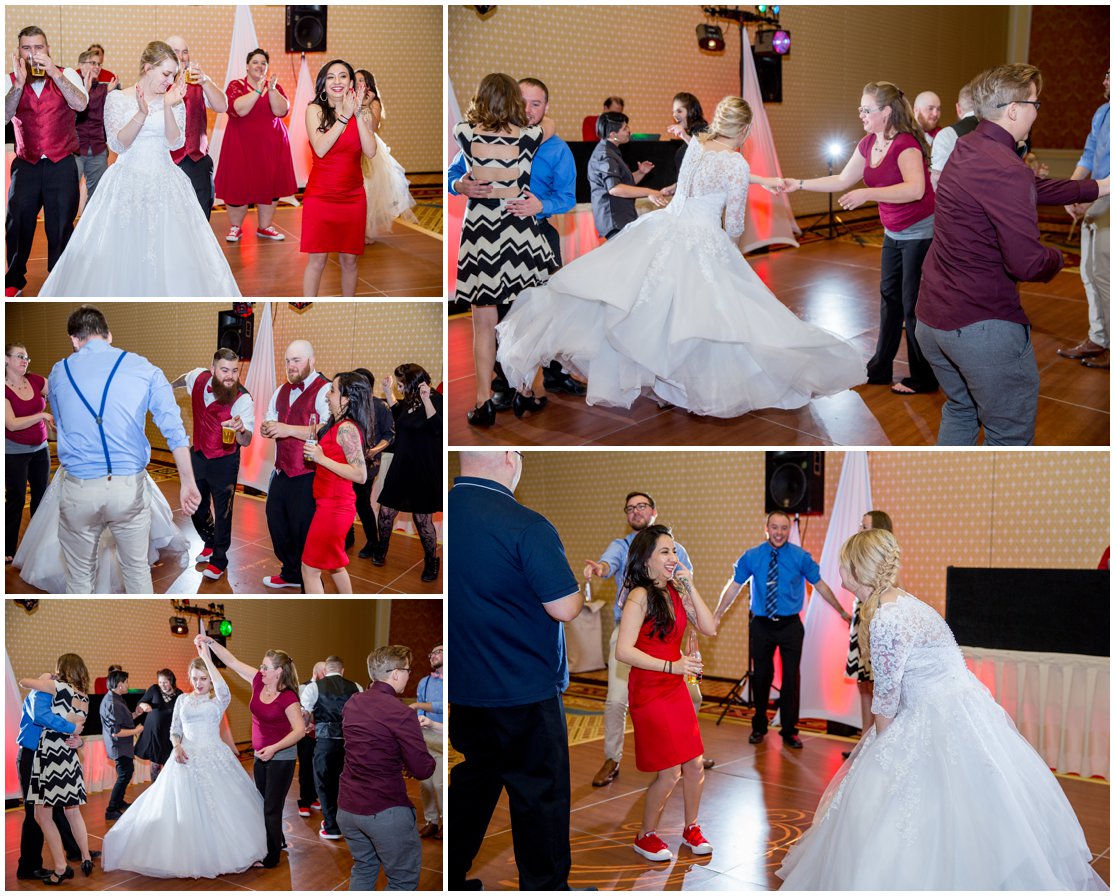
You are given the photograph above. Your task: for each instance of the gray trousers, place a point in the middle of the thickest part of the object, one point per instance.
(1095, 268)
(388, 839)
(91, 168)
(989, 375)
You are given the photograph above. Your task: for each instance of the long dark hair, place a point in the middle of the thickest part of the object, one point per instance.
(373, 90)
(660, 607)
(353, 386)
(694, 115)
(410, 377)
(328, 113)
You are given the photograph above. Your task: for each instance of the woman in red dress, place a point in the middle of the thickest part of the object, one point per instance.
(255, 163)
(660, 598)
(339, 455)
(334, 206)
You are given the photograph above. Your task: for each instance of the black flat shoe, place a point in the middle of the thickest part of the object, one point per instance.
(521, 404)
(484, 415)
(755, 737)
(54, 879)
(367, 551)
(565, 384)
(502, 399)
(87, 867)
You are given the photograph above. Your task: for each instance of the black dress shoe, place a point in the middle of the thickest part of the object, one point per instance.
(565, 384)
(522, 404)
(485, 415)
(113, 815)
(756, 737)
(503, 399)
(37, 874)
(793, 742)
(367, 551)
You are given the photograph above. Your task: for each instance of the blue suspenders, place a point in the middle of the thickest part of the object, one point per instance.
(98, 418)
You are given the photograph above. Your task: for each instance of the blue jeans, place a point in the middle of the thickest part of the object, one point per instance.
(990, 377)
(388, 839)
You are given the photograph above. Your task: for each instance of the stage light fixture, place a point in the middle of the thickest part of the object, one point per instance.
(834, 150)
(711, 38)
(179, 626)
(772, 42)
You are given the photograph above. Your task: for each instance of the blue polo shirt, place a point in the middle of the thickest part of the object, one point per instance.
(36, 716)
(553, 177)
(616, 556)
(430, 691)
(506, 561)
(795, 566)
(1097, 149)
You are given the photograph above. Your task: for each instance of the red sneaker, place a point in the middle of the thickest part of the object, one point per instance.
(211, 572)
(696, 841)
(234, 234)
(204, 556)
(279, 582)
(269, 233)
(304, 811)
(10, 292)
(316, 804)
(651, 847)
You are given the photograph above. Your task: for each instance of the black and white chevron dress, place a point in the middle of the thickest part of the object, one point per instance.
(501, 254)
(56, 776)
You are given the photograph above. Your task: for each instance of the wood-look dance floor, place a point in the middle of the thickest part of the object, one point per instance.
(757, 800)
(834, 285)
(407, 263)
(309, 862)
(251, 558)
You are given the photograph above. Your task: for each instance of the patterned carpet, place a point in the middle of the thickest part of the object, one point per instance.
(427, 192)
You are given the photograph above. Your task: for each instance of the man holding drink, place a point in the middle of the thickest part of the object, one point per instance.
(201, 92)
(224, 417)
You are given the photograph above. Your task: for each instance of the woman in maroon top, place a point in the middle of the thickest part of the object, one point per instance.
(338, 455)
(255, 163)
(26, 454)
(893, 162)
(276, 727)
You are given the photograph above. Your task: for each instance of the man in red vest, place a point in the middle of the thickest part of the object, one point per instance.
(224, 417)
(290, 494)
(193, 158)
(43, 110)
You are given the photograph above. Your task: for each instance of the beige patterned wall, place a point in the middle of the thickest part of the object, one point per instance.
(178, 336)
(136, 634)
(646, 54)
(400, 45)
(967, 508)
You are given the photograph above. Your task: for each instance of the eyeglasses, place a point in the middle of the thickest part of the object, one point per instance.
(631, 508)
(404, 669)
(1035, 103)
(863, 110)
(20, 357)
(264, 668)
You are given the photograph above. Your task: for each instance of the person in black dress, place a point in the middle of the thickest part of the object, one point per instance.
(383, 437)
(158, 702)
(413, 483)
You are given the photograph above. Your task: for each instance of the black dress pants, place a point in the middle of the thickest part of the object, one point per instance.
(329, 760)
(200, 174)
(125, 765)
(307, 789)
(786, 635)
(524, 749)
(216, 479)
(51, 187)
(900, 279)
(273, 778)
(363, 492)
(290, 510)
(31, 835)
(19, 469)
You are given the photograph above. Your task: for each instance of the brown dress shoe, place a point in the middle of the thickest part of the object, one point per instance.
(1099, 362)
(1086, 349)
(708, 763)
(429, 829)
(607, 774)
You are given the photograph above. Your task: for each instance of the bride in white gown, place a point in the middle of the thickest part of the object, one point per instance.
(670, 309)
(942, 793)
(203, 815)
(143, 233)
(40, 561)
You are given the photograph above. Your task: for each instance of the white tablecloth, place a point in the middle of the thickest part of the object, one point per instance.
(100, 771)
(1059, 701)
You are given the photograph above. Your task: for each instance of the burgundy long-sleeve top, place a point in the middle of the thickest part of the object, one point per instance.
(382, 737)
(985, 237)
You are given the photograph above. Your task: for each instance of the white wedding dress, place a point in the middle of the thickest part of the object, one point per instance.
(387, 190)
(671, 310)
(200, 818)
(39, 556)
(143, 233)
(950, 796)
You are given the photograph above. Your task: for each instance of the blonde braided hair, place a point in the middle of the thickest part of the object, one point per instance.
(873, 558)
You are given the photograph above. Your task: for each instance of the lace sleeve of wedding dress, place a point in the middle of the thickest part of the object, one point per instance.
(737, 180)
(179, 111)
(892, 637)
(119, 107)
(176, 717)
(224, 696)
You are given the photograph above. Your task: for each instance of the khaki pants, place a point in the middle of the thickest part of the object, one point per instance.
(433, 788)
(87, 508)
(1095, 268)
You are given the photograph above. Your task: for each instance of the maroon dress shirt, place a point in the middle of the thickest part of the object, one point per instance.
(382, 737)
(985, 236)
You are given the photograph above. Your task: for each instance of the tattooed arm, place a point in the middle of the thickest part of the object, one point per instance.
(695, 609)
(348, 437)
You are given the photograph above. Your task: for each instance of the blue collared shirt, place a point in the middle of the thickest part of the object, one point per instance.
(1097, 149)
(138, 386)
(553, 177)
(616, 556)
(795, 566)
(36, 716)
(430, 690)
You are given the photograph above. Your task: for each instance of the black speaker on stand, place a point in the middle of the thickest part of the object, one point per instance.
(236, 332)
(795, 482)
(306, 28)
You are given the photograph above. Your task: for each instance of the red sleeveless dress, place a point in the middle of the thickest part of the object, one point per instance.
(666, 732)
(334, 206)
(335, 509)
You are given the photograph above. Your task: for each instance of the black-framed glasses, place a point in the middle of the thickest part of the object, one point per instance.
(631, 508)
(1035, 103)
